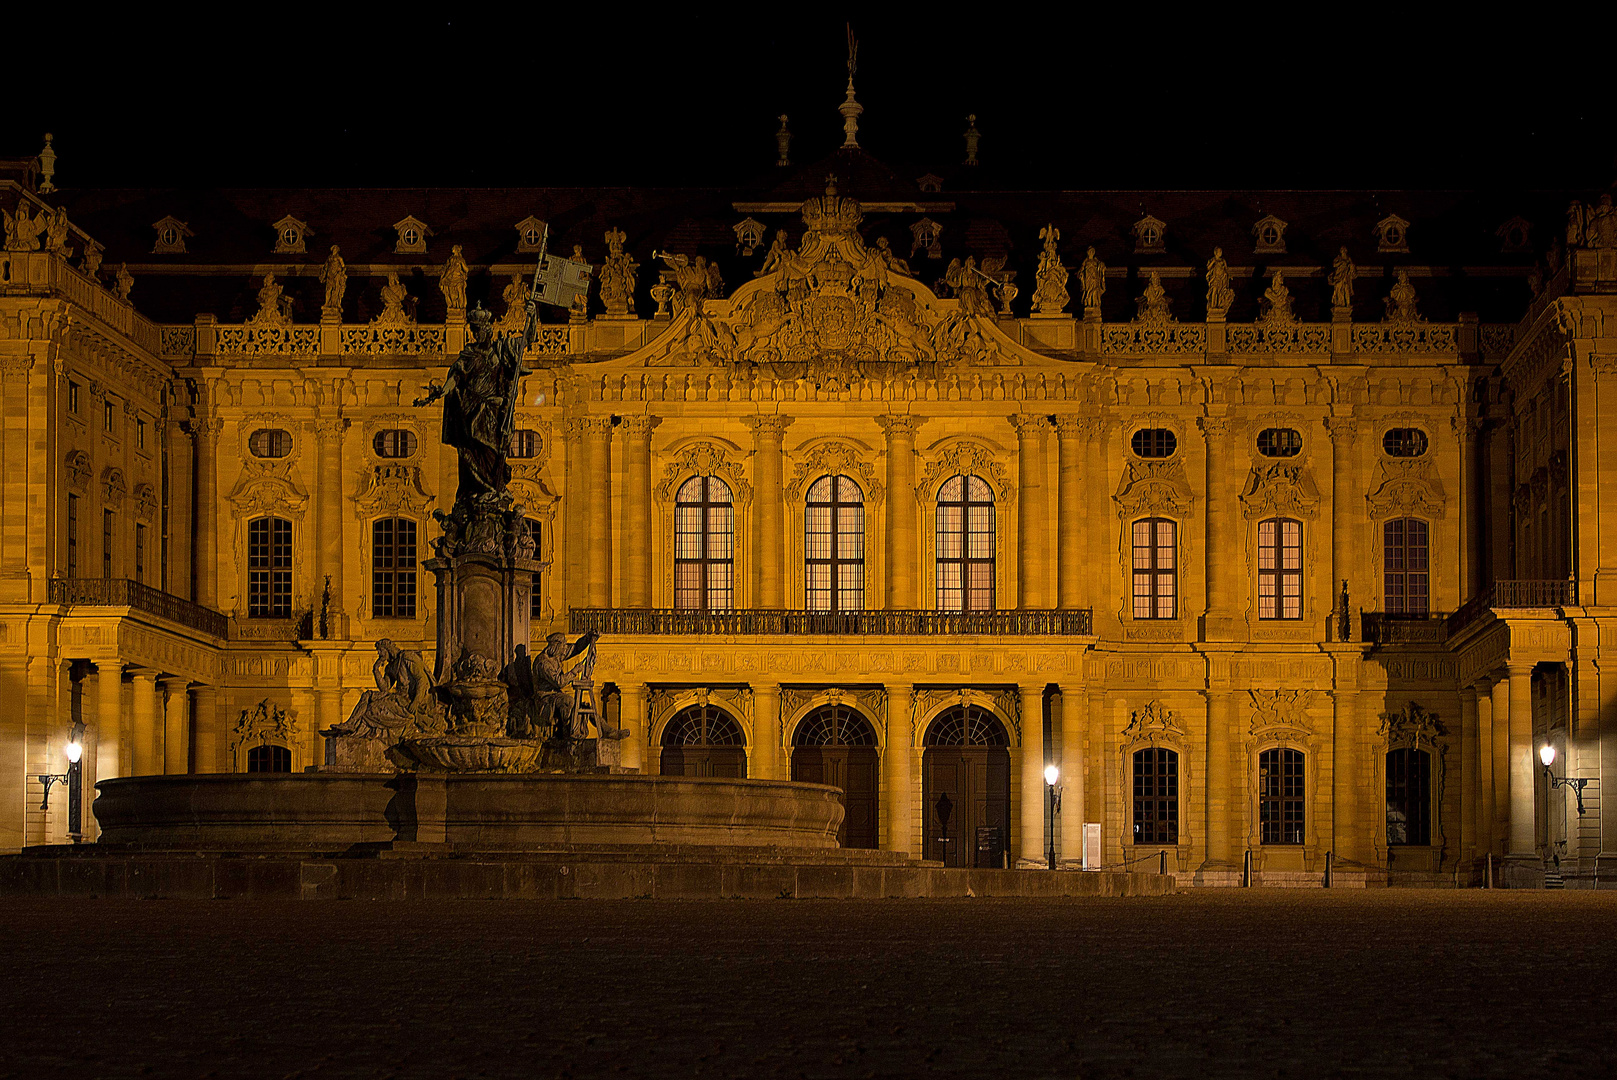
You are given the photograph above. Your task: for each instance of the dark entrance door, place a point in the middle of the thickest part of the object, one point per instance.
(966, 789)
(704, 740)
(837, 746)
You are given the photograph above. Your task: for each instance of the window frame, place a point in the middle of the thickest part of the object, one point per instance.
(709, 568)
(1411, 795)
(536, 596)
(274, 438)
(140, 552)
(72, 535)
(837, 512)
(269, 585)
(395, 563)
(108, 532)
(1145, 443)
(1276, 578)
(1282, 797)
(1155, 793)
(394, 444)
(1153, 573)
(946, 567)
(1396, 581)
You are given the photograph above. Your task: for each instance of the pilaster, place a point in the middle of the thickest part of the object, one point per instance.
(1072, 773)
(897, 782)
(1468, 775)
(597, 460)
(1523, 763)
(636, 528)
(1219, 624)
(329, 431)
(766, 734)
(174, 694)
(1072, 433)
(1343, 431)
(770, 507)
(1031, 848)
(903, 551)
(1032, 512)
(143, 727)
(632, 717)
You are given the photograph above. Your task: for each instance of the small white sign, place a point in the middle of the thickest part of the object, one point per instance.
(1091, 845)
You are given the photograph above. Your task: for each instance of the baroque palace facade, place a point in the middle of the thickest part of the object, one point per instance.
(1281, 533)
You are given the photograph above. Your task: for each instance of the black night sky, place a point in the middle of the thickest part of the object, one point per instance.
(1150, 98)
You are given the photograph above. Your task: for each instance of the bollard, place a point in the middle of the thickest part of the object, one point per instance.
(1246, 870)
(1162, 862)
(1329, 859)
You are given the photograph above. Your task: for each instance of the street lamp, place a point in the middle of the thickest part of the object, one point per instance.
(1052, 803)
(1546, 754)
(74, 779)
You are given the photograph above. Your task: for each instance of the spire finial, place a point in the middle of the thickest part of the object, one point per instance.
(783, 143)
(972, 135)
(851, 109)
(47, 167)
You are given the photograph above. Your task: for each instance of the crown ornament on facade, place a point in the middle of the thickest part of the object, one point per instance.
(832, 213)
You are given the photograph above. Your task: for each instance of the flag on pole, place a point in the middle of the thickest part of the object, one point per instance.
(557, 280)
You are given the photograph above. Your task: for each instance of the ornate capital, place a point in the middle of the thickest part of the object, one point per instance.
(771, 426)
(595, 425)
(1214, 427)
(639, 426)
(16, 367)
(330, 428)
(1028, 425)
(1343, 430)
(1076, 427)
(209, 428)
(901, 427)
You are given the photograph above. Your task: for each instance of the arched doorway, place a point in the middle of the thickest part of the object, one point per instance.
(836, 745)
(704, 740)
(966, 789)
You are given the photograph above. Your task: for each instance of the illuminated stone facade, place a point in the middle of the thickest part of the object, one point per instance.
(1166, 476)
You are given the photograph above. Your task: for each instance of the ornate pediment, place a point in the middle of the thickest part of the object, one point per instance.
(1152, 722)
(145, 502)
(834, 458)
(268, 487)
(1411, 726)
(113, 487)
(78, 468)
(1154, 487)
(965, 458)
(871, 702)
(391, 491)
(1279, 714)
(1280, 490)
(1407, 489)
(265, 722)
(705, 459)
(664, 702)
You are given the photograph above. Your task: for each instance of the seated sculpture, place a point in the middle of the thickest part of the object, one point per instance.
(402, 704)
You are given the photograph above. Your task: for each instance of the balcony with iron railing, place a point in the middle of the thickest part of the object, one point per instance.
(121, 592)
(661, 622)
(1387, 628)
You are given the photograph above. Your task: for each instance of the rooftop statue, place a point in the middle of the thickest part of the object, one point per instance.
(1219, 293)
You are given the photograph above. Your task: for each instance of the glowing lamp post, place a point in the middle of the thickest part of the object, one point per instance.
(74, 779)
(1052, 803)
(1546, 754)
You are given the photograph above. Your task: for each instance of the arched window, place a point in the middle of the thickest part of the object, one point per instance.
(269, 568)
(834, 725)
(704, 545)
(703, 740)
(836, 745)
(393, 568)
(1156, 796)
(1409, 796)
(1156, 592)
(1280, 569)
(1405, 566)
(1281, 810)
(965, 543)
(967, 725)
(269, 758)
(834, 545)
(525, 443)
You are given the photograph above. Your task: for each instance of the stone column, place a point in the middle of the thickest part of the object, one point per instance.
(766, 738)
(1343, 429)
(210, 740)
(1470, 508)
(1523, 763)
(1485, 768)
(207, 495)
(143, 733)
(1469, 796)
(903, 547)
(769, 505)
(109, 735)
(1033, 794)
(1501, 508)
(1499, 695)
(1072, 773)
(897, 784)
(1032, 513)
(597, 480)
(1219, 623)
(329, 432)
(1348, 835)
(178, 551)
(176, 696)
(637, 590)
(1071, 434)
(1220, 846)
(632, 716)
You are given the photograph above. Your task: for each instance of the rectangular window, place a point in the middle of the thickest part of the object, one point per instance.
(109, 413)
(1409, 796)
(393, 569)
(72, 536)
(140, 553)
(1405, 567)
(1155, 569)
(269, 568)
(1280, 797)
(72, 396)
(1280, 569)
(107, 526)
(140, 434)
(1156, 796)
(536, 599)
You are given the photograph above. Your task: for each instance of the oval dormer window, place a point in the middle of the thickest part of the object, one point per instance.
(1404, 442)
(1280, 442)
(1154, 443)
(524, 444)
(394, 443)
(270, 443)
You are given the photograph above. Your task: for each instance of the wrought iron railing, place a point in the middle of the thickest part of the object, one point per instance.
(1382, 628)
(660, 622)
(1548, 593)
(121, 592)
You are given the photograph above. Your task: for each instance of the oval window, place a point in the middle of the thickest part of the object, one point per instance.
(1280, 442)
(1154, 443)
(394, 443)
(270, 443)
(524, 444)
(1404, 442)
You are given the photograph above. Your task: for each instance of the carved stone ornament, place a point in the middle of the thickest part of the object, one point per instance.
(113, 488)
(273, 305)
(617, 276)
(1151, 723)
(869, 702)
(265, 722)
(1152, 306)
(1276, 304)
(1411, 726)
(1407, 489)
(1153, 488)
(145, 502)
(928, 704)
(78, 468)
(291, 235)
(1219, 293)
(268, 487)
(926, 233)
(391, 491)
(663, 702)
(23, 231)
(1050, 296)
(964, 458)
(1279, 714)
(705, 459)
(749, 234)
(833, 458)
(1280, 490)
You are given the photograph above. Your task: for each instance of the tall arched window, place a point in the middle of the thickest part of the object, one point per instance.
(1156, 796)
(1405, 566)
(269, 568)
(1156, 591)
(1281, 810)
(1409, 796)
(704, 740)
(834, 545)
(704, 545)
(393, 568)
(1280, 569)
(269, 758)
(965, 543)
(536, 598)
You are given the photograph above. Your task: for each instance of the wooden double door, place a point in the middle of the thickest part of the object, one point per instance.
(857, 771)
(965, 790)
(725, 761)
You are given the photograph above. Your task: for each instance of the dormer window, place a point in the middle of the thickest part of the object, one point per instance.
(749, 234)
(1392, 234)
(1271, 236)
(926, 233)
(289, 236)
(530, 235)
(1148, 235)
(930, 183)
(412, 237)
(171, 234)
(1513, 235)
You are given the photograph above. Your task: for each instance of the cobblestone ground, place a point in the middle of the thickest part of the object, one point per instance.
(1248, 984)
